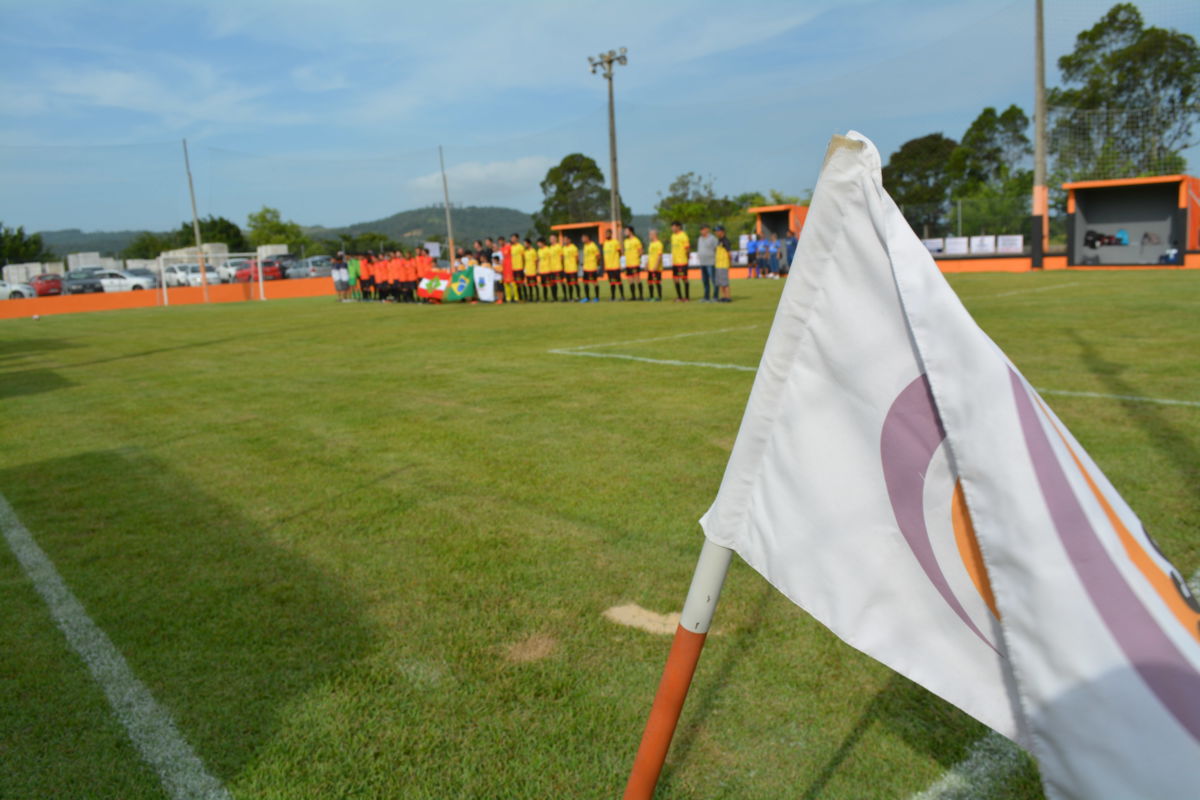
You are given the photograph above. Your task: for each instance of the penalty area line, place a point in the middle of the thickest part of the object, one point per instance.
(150, 727)
(671, 362)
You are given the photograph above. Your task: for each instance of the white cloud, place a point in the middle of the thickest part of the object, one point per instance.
(474, 182)
(318, 78)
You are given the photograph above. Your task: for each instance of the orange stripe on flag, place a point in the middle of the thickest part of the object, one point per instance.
(968, 548)
(1162, 583)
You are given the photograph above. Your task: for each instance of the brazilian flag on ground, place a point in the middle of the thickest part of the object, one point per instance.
(462, 286)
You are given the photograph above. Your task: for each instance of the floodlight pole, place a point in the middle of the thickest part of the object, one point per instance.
(606, 61)
(446, 198)
(1041, 193)
(187, 165)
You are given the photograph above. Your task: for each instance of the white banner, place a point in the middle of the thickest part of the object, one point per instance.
(485, 284)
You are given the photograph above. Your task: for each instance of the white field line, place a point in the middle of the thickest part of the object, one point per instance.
(1162, 401)
(1025, 291)
(992, 762)
(583, 350)
(151, 728)
(569, 350)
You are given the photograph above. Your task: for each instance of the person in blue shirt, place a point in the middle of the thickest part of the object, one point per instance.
(792, 243)
(773, 256)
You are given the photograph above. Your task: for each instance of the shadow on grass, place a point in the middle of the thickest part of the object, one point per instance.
(1168, 439)
(225, 628)
(705, 700)
(20, 348)
(31, 381)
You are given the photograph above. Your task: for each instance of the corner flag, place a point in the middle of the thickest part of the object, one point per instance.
(897, 477)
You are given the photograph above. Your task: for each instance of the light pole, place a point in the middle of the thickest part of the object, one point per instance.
(606, 61)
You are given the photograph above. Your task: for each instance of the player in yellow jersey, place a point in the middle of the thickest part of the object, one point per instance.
(680, 245)
(633, 264)
(556, 267)
(570, 255)
(612, 265)
(591, 268)
(654, 253)
(518, 265)
(543, 268)
(531, 273)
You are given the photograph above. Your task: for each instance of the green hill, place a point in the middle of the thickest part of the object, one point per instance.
(414, 225)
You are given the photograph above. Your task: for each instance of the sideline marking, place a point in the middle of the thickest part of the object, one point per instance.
(991, 763)
(151, 728)
(1131, 397)
(1024, 291)
(583, 349)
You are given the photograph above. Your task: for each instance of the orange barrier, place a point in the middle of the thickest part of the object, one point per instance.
(179, 296)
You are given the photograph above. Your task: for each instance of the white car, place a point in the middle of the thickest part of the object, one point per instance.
(228, 269)
(210, 275)
(15, 291)
(115, 280)
(177, 274)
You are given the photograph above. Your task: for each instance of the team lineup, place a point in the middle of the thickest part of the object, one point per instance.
(556, 269)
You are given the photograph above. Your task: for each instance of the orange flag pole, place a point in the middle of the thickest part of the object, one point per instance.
(693, 627)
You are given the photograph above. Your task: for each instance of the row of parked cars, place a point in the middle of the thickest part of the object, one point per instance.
(100, 279)
(242, 270)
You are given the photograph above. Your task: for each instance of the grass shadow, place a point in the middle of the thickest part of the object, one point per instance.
(705, 700)
(225, 628)
(32, 381)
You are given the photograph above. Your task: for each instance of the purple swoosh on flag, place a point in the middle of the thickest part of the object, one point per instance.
(912, 432)
(1163, 668)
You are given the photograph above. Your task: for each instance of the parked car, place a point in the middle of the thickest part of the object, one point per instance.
(272, 270)
(46, 284)
(210, 275)
(176, 274)
(311, 267)
(15, 291)
(116, 280)
(142, 272)
(228, 269)
(83, 281)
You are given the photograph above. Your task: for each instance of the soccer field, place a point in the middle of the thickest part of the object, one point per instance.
(362, 550)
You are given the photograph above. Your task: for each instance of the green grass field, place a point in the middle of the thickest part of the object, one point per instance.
(363, 550)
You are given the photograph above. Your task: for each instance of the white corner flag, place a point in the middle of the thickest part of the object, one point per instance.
(895, 476)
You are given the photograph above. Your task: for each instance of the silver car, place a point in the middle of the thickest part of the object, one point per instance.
(16, 291)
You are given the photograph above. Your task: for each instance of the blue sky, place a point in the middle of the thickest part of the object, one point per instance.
(333, 112)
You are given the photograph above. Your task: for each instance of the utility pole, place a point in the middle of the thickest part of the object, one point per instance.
(446, 197)
(606, 61)
(1041, 193)
(187, 165)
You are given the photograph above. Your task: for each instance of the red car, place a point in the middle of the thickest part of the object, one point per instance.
(46, 284)
(271, 271)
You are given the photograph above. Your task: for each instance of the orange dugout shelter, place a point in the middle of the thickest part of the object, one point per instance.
(778, 219)
(1133, 221)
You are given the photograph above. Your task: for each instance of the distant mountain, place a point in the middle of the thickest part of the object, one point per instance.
(418, 224)
(470, 223)
(414, 225)
(73, 240)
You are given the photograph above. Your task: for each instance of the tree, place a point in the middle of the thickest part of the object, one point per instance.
(17, 247)
(693, 201)
(994, 150)
(574, 191)
(213, 229)
(990, 175)
(1130, 100)
(147, 245)
(267, 226)
(917, 178)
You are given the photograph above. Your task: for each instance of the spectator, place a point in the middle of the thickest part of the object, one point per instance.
(706, 253)
(752, 256)
(721, 264)
(792, 243)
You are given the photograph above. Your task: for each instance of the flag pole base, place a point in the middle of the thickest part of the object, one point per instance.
(689, 639)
